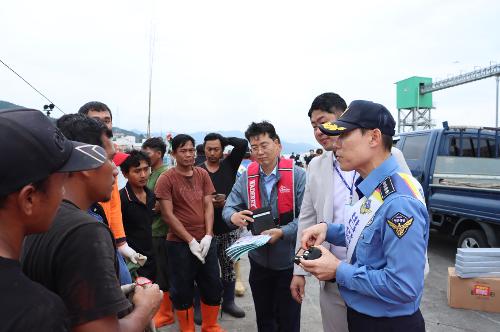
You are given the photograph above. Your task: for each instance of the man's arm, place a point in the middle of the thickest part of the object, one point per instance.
(307, 217)
(236, 201)
(238, 152)
(167, 210)
(209, 214)
(290, 230)
(136, 321)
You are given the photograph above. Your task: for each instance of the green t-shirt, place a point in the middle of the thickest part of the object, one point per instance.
(159, 227)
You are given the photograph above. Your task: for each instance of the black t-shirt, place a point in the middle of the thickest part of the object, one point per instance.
(76, 259)
(27, 306)
(223, 179)
(137, 222)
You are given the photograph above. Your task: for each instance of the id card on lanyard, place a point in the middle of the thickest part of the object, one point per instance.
(349, 188)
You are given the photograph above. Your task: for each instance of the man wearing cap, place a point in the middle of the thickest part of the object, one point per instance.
(76, 258)
(385, 232)
(30, 193)
(328, 189)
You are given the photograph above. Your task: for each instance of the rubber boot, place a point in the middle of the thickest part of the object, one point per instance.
(186, 319)
(239, 287)
(209, 314)
(165, 315)
(197, 310)
(228, 305)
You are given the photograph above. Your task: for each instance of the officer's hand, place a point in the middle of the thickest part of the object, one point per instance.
(148, 297)
(242, 218)
(323, 268)
(275, 233)
(313, 236)
(297, 287)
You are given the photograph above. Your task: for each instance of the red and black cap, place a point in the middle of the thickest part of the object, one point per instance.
(32, 148)
(361, 114)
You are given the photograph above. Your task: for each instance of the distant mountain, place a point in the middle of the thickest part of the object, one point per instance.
(138, 137)
(6, 104)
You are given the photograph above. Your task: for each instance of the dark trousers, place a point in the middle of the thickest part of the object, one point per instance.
(275, 308)
(363, 323)
(161, 259)
(184, 269)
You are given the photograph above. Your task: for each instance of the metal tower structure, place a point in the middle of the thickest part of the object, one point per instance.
(414, 96)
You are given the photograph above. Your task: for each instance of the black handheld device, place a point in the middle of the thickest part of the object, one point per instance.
(309, 254)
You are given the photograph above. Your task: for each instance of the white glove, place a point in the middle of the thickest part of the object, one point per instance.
(205, 245)
(195, 248)
(130, 253)
(141, 259)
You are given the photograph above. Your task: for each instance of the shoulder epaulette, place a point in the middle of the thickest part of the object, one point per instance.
(386, 188)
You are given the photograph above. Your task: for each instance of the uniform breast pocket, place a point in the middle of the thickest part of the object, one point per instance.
(369, 246)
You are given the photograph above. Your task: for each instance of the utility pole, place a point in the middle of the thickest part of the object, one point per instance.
(496, 109)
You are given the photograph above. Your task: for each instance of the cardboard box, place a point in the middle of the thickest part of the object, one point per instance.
(473, 293)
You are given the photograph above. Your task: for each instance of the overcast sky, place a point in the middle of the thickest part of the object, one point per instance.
(218, 65)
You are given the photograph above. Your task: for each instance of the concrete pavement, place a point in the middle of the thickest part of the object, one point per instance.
(438, 316)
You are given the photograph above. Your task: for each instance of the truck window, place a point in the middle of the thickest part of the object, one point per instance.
(469, 146)
(414, 146)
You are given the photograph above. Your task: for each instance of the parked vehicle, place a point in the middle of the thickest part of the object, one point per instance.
(459, 169)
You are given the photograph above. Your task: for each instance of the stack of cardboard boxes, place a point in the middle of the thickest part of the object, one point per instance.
(474, 282)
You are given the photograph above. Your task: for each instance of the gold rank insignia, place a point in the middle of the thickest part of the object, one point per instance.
(332, 126)
(400, 224)
(365, 207)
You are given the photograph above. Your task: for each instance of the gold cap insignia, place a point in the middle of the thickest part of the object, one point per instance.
(332, 126)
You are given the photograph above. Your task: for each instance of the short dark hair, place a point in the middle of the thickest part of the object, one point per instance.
(78, 127)
(95, 106)
(213, 137)
(264, 127)
(180, 140)
(155, 143)
(199, 150)
(386, 139)
(134, 160)
(328, 102)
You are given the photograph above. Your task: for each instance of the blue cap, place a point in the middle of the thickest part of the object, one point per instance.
(361, 114)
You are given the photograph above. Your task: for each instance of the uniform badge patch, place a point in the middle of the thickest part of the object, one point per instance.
(400, 224)
(365, 207)
(386, 188)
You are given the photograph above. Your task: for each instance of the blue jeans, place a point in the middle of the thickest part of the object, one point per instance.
(184, 269)
(124, 273)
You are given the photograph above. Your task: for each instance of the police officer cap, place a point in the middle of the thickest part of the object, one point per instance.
(361, 114)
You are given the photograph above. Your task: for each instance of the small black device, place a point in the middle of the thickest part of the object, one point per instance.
(309, 254)
(262, 221)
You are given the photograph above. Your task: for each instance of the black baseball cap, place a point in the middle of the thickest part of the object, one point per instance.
(32, 148)
(361, 114)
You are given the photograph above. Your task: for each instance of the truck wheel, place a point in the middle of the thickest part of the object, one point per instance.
(473, 238)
